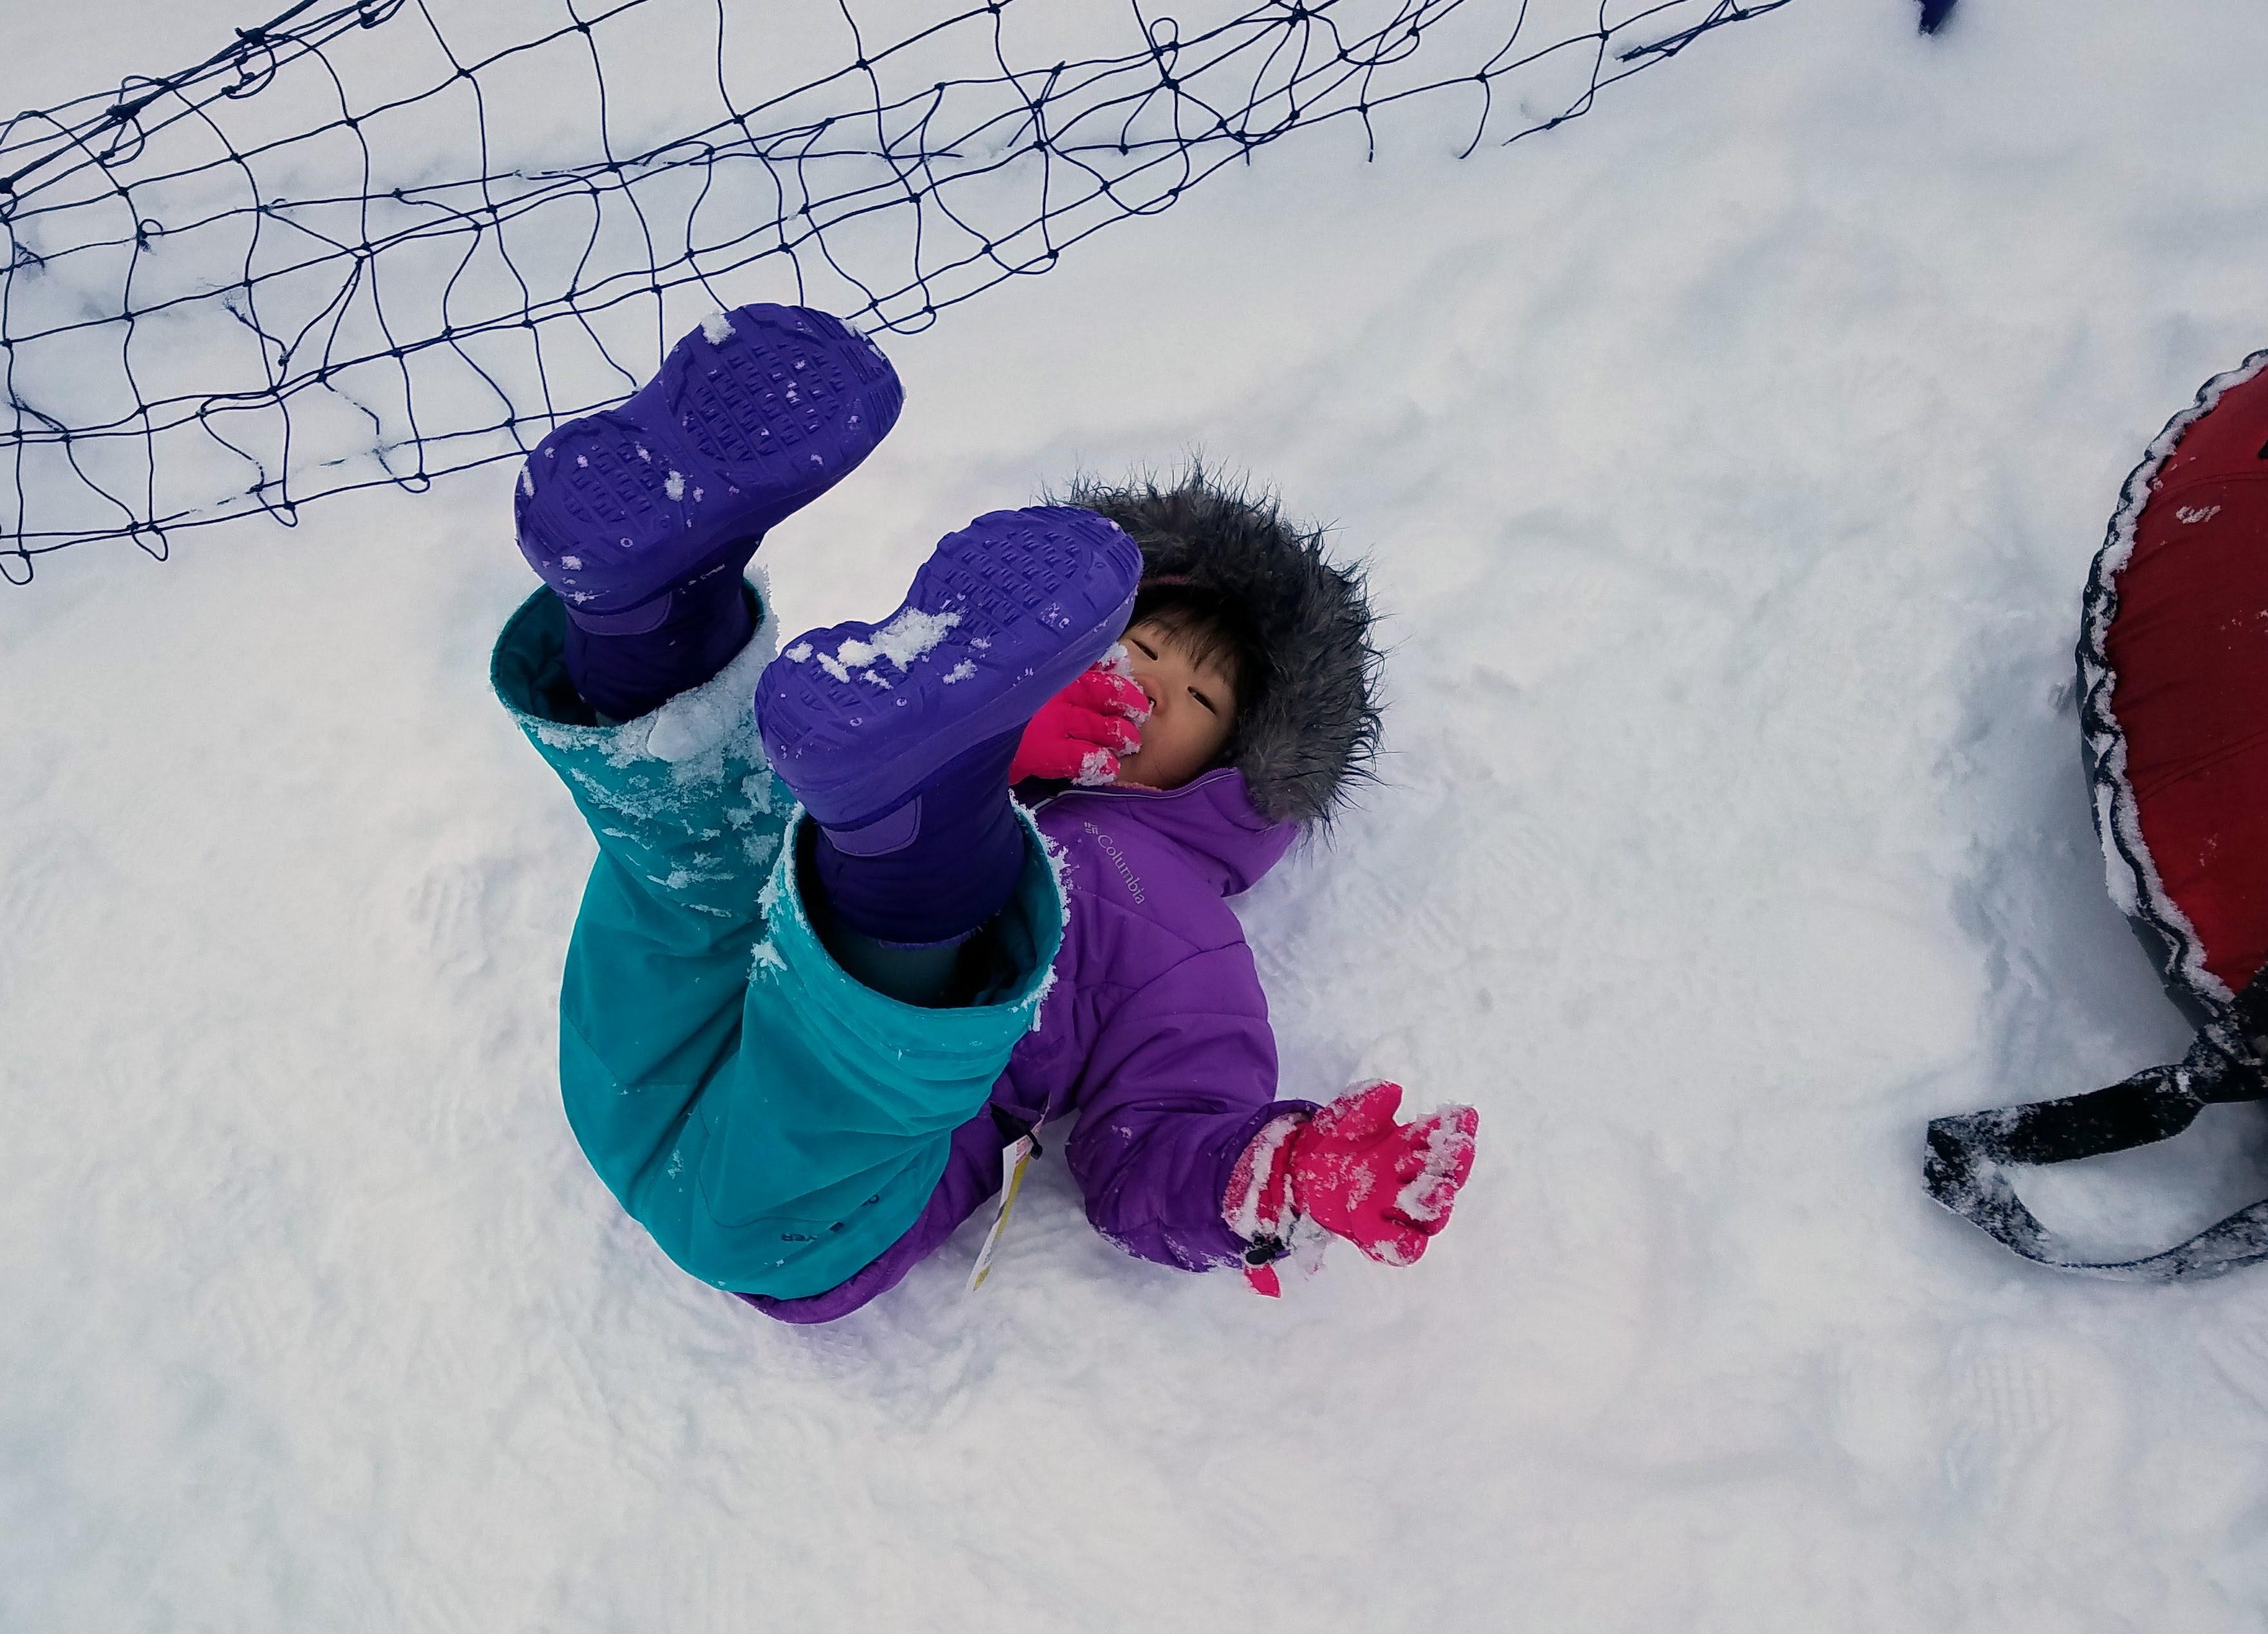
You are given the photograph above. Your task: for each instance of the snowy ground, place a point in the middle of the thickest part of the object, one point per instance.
(1730, 462)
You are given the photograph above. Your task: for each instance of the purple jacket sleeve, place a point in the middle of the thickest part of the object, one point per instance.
(1180, 1078)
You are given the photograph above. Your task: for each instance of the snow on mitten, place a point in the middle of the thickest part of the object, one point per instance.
(1385, 1187)
(1078, 732)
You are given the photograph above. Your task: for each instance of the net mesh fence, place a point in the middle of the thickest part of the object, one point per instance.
(377, 242)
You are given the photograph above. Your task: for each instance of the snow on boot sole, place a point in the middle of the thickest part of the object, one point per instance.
(1000, 618)
(751, 417)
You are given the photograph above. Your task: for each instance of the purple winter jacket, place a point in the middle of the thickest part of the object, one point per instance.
(1155, 1035)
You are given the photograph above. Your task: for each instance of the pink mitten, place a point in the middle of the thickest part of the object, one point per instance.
(1385, 1187)
(1078, 732)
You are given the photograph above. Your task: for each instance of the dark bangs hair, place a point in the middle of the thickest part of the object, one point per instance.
(1211, 629)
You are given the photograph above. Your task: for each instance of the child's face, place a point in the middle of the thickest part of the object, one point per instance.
(1192, 710)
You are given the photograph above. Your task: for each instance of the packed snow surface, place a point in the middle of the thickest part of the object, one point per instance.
(1728, 462)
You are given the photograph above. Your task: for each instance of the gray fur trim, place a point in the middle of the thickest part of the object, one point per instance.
(1314, 734)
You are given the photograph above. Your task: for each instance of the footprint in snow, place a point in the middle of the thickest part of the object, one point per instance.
(2235, 1343)
(448, 906)
(2036, 1429)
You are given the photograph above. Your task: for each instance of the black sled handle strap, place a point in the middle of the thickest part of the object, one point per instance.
(1966, 1166)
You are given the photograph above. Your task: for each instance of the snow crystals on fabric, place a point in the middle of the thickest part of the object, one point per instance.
(1445, 1146)
(905, 639)
(1058, 859)
(1242, 1208)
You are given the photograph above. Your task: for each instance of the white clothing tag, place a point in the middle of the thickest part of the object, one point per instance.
(1015, 1158)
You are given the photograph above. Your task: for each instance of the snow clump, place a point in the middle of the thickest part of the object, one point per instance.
(905, 638)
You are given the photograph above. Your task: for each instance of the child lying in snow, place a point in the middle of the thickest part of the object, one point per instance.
(816, 985)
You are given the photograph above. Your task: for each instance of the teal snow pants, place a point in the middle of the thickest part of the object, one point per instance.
(772, 1122)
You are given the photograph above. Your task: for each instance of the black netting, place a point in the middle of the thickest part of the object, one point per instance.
(369, 243)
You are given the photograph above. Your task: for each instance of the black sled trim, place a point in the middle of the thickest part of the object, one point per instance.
(1966, 1166)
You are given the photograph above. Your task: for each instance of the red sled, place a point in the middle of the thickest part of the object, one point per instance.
(2173, 688)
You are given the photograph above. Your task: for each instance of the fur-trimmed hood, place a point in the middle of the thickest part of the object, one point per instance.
(1313, 733)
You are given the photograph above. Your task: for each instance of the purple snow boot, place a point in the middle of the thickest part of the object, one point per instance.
(753, 416)
(897, 737)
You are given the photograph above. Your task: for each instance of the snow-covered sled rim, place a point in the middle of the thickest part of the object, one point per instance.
(2129, 871)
